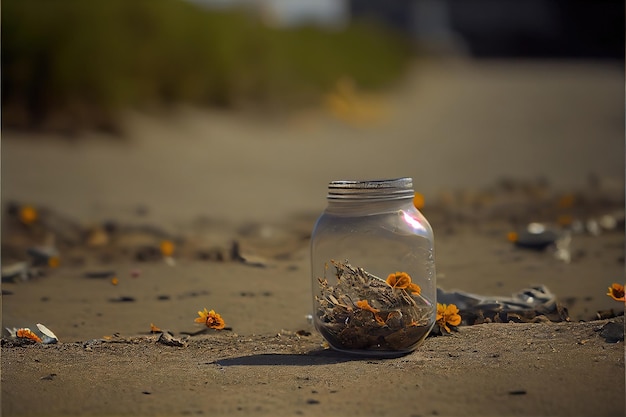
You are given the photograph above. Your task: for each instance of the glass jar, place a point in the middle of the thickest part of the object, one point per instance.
(373, 269)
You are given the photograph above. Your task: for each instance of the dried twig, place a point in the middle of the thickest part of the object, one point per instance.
(363, 312)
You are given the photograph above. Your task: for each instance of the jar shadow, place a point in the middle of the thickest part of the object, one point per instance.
(313, 357)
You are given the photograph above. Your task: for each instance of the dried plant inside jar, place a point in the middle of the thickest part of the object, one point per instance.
(365, 312)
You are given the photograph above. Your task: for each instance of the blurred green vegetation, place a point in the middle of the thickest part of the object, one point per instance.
(79, 62)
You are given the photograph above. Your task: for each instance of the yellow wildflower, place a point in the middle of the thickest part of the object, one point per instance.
(616, 292)
(447, 314)
(211, 319)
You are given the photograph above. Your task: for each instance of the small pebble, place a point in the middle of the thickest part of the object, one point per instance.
(613, 332)
(122, 299)
(537, 237)
(100, 274)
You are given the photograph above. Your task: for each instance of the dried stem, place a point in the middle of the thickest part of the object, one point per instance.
(363, 312)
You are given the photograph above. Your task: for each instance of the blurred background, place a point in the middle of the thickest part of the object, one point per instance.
(247, 108)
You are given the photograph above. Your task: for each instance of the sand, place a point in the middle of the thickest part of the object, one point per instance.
(491, 145)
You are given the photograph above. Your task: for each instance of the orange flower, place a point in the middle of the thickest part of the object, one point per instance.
(565, 220)
(167, 248)
(399, 280)
(567, 201)
(418, 201)
(512, 237)
(402, 280)
(28, 214)
(54, 261)
(379, 319)
(414, 289)
(616, 292)
(211, 319)
(363, 304)
(447, 315)
(26, 333)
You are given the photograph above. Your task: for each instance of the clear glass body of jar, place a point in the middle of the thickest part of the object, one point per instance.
(373, 269)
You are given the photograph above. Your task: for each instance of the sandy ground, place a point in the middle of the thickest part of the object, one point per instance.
(206, 180)
(451, 125)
